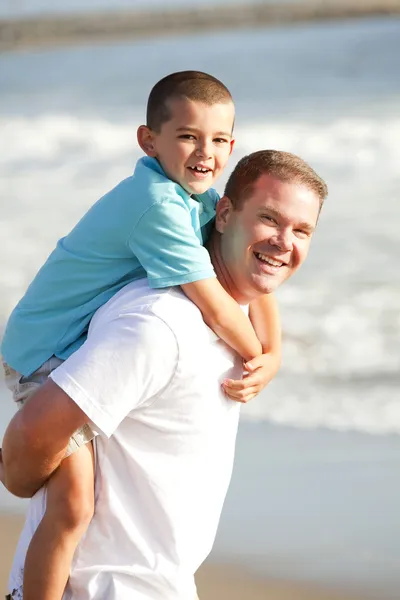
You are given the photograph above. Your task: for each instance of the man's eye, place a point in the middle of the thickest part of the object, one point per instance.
(301, 233)
(268, 218)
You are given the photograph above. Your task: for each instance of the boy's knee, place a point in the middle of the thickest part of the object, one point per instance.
(74, 511)
(70, 500)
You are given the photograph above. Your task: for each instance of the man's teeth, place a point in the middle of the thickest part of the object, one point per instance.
(269, 260)
(200, 169)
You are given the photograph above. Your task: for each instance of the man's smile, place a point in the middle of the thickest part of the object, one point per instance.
(268, 263)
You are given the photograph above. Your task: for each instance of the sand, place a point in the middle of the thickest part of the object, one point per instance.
(215, 582)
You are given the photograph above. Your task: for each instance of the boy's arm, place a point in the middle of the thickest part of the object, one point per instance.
(264, 315)
(224, 316)
(169, 250)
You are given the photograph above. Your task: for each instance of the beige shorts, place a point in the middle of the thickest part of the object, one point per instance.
(22, 388)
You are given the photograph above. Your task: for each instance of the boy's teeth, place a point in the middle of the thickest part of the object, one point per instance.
(200, 169)
(270, 261)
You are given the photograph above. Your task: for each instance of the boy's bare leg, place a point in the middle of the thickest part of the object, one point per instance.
(70, 505)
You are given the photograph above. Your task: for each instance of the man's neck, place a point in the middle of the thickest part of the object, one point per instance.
(222, 273)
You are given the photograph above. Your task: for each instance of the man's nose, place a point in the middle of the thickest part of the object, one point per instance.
(283, 240)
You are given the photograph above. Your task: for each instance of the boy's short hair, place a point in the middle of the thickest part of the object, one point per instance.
(193, 85)
(282, 165)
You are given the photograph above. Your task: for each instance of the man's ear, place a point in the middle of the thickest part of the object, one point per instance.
(223, 212)
(145, 138)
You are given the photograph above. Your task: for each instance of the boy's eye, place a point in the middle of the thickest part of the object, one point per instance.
(221, 141)
(187, 136)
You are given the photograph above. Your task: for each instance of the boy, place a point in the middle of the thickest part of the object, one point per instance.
(152, 224)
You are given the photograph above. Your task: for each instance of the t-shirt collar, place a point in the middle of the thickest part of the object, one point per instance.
(155, 165)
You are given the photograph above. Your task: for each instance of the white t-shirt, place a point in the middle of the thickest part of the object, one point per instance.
(149, 378)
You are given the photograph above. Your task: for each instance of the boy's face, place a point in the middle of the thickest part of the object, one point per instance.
(193, 147)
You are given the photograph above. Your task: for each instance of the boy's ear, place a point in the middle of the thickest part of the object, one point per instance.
(145, 138)
(232, 142)
(223, 212)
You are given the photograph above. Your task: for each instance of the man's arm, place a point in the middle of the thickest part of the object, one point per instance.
(37, 437)
(117, 369)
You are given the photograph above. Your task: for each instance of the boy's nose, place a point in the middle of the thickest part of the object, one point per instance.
(203, 150)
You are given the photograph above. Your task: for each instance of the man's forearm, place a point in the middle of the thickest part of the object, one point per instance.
(36, 439)
(26, 468)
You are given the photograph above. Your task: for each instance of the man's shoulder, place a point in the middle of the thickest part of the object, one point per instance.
(175, 309)
(166, 304)
(138, 296)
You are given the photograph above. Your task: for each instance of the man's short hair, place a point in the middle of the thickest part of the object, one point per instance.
(192, 85)
(282, 165)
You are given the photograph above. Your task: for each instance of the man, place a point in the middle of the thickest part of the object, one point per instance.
(149, 381)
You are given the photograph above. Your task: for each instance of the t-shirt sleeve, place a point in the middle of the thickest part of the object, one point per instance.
(165, 243)
(123, 365)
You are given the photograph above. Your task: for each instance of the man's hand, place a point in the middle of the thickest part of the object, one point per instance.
(258, 373)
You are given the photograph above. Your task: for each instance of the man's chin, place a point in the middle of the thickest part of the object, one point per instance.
(266, 285)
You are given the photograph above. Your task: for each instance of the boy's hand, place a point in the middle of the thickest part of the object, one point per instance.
(258, 373)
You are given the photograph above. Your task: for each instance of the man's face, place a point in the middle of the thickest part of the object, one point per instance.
(266, 241)
(194, 145)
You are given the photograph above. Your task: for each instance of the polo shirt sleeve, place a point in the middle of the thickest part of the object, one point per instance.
(125, 363)
(166, 245)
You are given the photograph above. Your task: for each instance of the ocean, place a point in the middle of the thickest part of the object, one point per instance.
(329, 92)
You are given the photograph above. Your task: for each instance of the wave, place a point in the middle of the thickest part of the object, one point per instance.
(352, 142)
(341, 360)
(340, 315)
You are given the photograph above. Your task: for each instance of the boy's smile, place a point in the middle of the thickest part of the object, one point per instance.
(194, 145)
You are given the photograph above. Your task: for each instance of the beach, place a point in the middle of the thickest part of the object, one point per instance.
(310, 515)
(214, 582)
(313, 508)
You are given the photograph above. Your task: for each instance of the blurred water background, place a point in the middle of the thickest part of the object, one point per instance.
(329, 92)
(15, 9)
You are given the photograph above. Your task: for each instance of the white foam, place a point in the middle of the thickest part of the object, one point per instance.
(341, 334)
(353, 143)
(344, 142)
(328, 94)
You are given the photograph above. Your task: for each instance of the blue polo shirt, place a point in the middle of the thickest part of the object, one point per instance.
(147, 226)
